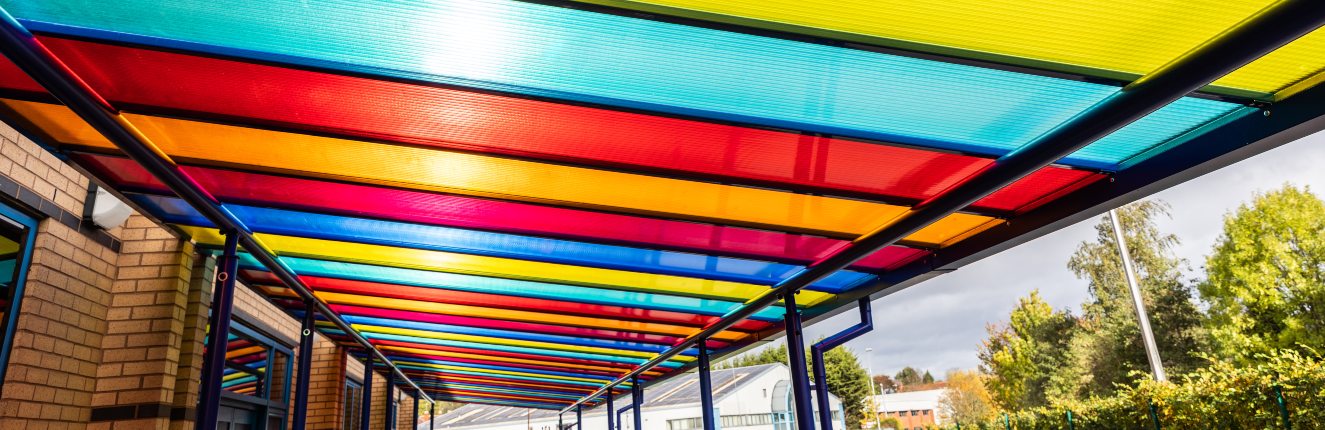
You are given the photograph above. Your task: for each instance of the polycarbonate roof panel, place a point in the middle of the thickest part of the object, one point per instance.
(427, 169)
(363, 201)
(583, 56)
(474, 121)
(447, 283)
(499, 245)
(1129, 36)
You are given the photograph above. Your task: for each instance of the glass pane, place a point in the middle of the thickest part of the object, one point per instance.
(245, 366)
(11, 254)
(280, 365)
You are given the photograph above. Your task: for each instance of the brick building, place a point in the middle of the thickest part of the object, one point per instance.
(104, 328)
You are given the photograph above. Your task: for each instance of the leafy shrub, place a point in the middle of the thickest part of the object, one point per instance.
(1219, 396)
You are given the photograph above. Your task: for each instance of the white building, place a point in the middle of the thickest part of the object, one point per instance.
(912, 409)
(747, 398)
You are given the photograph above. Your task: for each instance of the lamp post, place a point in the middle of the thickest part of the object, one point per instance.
(869, 366)
(1143, 320)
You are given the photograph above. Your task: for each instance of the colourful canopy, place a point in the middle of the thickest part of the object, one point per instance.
(518, 202)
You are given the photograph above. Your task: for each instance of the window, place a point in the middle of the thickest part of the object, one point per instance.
(17, 233)
(926, 412)
(353, 402)
(255, 381)
(914, 413)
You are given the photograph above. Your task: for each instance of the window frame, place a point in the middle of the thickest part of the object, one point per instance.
(27, 226)
(266, 407)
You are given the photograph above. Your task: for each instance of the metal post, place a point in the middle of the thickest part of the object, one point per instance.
(390, 401)
(305, 365)
(1283, 407)
(706, 389)
(223, 298)
(611, 420)
(1071, 424)
(869, 353)
(366, 404)
(800, 379)
(1147, 337)
(636, 399)
(432, 415)
(560, 425)
(579, 417)
(414, 424)
(820, 374)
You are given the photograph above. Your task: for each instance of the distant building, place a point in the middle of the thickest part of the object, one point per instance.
(746, 398)
(913, 409)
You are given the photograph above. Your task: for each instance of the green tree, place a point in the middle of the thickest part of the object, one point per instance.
(927, 379)
(908, 376)
(1109, 346)
(1020, 357)
(845, 376)
(966, 398)
(1265, 281)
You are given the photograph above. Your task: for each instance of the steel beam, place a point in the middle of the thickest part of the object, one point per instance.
(33, 58)
(366, 403)
(1259, 34)
(305, 365)
(817, 355)
(223, 299)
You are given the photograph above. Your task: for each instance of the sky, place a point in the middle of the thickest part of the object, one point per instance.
(938, 325)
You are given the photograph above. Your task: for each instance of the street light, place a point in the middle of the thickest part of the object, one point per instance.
(869, 366)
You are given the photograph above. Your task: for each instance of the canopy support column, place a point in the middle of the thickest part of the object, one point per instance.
(223, 299)
(611, 412)
(305, 367)
(817, 352)
(800, 379)
(706, 389)
(390, 413)
(637, 399)
(432, 415)
(366, 403)
(579, 417)
(1142, 318)
(414, 423)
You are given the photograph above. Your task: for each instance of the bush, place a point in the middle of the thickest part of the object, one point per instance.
(1219, 396)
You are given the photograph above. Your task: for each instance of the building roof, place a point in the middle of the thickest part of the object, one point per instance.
(519, 202)
(679, 391)
(904, 401)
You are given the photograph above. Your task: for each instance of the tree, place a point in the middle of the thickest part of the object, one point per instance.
(927, 379)
(966, 398)
(845, 376)
(1109, 346)
(1020, 357)
(848, 381)
(884, 383)
(1265, 282)
(908, 376)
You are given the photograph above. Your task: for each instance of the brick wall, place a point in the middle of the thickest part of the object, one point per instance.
(109, 332)
(136, 379)
(326, 386)
(62, 318)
